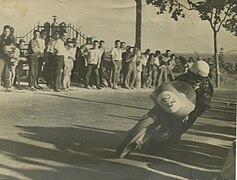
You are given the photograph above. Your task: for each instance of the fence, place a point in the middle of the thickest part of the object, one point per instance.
(71, 30)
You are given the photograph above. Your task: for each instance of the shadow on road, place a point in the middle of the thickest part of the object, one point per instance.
(88, 151)
(78, 150)
(83, 152)
(217, 112)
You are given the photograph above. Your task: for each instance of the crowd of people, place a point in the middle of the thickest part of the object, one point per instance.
(60, 59)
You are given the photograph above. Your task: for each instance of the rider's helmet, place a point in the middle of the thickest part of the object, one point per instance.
(200, 68)
(198, 73)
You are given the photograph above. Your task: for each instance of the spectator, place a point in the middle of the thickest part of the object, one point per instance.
(170, 66)
(152, 71)
(76, 65)
(211, 65)
(51, 62)
(144, 59)
(103, 68)
(6, 54)
(22, 60)
(93, 59)
(14, 63)
(41, 57)
(82, 68)
(69, 57)
(156, 68)
(12, 36)
(34, 51)
(124, 69)
(116, 55)
(188, 64)
(130, 76)
(162, 77)
(138, 69)
(59, 49)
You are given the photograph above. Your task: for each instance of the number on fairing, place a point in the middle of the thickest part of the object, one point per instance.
(169, 101)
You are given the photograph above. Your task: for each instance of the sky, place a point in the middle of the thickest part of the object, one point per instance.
(115, 19)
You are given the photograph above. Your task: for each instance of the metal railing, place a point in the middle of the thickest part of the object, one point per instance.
(72, 31)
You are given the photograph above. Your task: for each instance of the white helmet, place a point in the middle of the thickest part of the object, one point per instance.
(200, 68)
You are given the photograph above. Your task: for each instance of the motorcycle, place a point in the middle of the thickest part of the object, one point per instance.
(174, 101)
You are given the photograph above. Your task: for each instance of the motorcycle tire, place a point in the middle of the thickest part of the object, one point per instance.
(138, 135)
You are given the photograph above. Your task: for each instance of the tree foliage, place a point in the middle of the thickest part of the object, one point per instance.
(231, 23)
(173, 7)
(217, 12)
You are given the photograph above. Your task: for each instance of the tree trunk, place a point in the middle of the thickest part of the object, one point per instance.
(138, 23)
(216, 60)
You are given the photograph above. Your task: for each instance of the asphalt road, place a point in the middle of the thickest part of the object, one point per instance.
(74, 135)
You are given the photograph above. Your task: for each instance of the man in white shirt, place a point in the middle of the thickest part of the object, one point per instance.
(34, 51)
(93, 59)
(144, 72)
(41, 56)
(162, 78)
(51, 60)
(69, 57)
(59, 50)
(116, 55)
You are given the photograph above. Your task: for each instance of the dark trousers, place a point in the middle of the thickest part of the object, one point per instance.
(40, 67)
(19, 72)
(59, 63)
(33, 70)
(5, 72)
(50, 70)
(92, 68)
(82, 71)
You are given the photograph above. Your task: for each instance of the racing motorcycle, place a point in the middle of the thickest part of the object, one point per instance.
(174, 101)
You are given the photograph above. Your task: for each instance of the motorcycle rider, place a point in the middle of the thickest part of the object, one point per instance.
(197, 77)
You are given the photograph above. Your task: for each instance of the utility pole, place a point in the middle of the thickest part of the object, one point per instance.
(138, 23)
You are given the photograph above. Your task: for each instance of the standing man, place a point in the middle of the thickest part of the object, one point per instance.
(92, 63)
(59, 49)
(34, 51)
(143, 60)
(22, 60)
(130, 76)
(156, 68)
(116, 55)
(68, 65)
(41, 56)
(51, 61)
(163, 77)
(82, 69)
(124, 68)
(75, 70)
(103, 67)
(5, 57)
(170, 66)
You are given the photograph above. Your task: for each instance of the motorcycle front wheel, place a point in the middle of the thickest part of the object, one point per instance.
(137, 136)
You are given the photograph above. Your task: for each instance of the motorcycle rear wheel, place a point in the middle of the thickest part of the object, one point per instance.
(137, 136)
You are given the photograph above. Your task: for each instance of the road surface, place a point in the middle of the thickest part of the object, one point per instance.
(73, 136)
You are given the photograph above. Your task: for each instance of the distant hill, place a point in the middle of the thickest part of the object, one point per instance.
(231, 52)
(229, 57)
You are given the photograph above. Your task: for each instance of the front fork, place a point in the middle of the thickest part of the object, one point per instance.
(163, 123)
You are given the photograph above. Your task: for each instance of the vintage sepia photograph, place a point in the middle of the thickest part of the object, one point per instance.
(118, 89)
